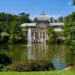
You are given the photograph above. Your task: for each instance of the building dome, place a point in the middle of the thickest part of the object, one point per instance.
(42, 17)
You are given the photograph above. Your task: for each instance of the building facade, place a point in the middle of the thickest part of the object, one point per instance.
(39, 29)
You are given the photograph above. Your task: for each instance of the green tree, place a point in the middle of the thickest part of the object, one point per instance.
(55, 20)
(11, 25)
(69, 28)
(73, 2)
(15, 31)
(61, 19)
(35, 20)
(51, 19)
(51, 35)
(24, 18)
(25, 32)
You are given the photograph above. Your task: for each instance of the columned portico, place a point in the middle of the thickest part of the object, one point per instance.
(39, 35)
(42, 37)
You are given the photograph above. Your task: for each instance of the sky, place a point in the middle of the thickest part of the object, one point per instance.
(52, 8)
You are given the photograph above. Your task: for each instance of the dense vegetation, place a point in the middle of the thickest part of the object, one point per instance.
(54, 37)
(30, 65)
(60, 19)
(4, 60)
(69, 28)
(10, 30)
(68, 31)
(73, 2)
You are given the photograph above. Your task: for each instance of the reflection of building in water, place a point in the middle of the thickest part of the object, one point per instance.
(37, 51)
(39, 29)
(31, 53)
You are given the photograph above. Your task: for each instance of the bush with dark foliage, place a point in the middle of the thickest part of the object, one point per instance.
(31, 65)
(4, 59)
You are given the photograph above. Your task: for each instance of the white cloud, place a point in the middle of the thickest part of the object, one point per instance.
(69, 3)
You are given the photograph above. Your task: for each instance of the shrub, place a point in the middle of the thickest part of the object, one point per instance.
(52, 41)
(31, 66)
(68, 41)
(5, 37)
(73, 43)
(4, 60)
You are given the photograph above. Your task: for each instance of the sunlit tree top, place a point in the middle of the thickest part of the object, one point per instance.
(73, 2)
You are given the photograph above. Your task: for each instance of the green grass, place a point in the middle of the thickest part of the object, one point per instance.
(67, 72)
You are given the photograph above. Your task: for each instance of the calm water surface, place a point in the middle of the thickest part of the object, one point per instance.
(59, 55)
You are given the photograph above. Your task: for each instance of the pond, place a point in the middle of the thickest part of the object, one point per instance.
(59, 55)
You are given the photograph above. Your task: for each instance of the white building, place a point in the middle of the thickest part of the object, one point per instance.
(39, 29)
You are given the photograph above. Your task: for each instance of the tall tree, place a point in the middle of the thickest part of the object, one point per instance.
(51, 19)
(15, 31)
(61, 19)
(55, 20)
(73, 2)
(24, 18)
(35, 20)
(51, 35)
(69, 28)
(11, 24)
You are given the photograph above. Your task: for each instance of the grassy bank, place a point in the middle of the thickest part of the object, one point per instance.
(68, 72)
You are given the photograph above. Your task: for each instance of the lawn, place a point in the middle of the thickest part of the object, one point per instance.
(67, 72)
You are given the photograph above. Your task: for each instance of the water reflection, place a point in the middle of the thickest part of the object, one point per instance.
(37, 50)
(31, 53)
(59, 55)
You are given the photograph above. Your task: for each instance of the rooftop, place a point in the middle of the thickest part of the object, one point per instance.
(42, 17)
(28, 24)
(56, 24)
(34, 24)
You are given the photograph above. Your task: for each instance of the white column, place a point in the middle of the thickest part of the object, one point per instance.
(39, 36)
(34, 36)
(42, 36)
(45, 37)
